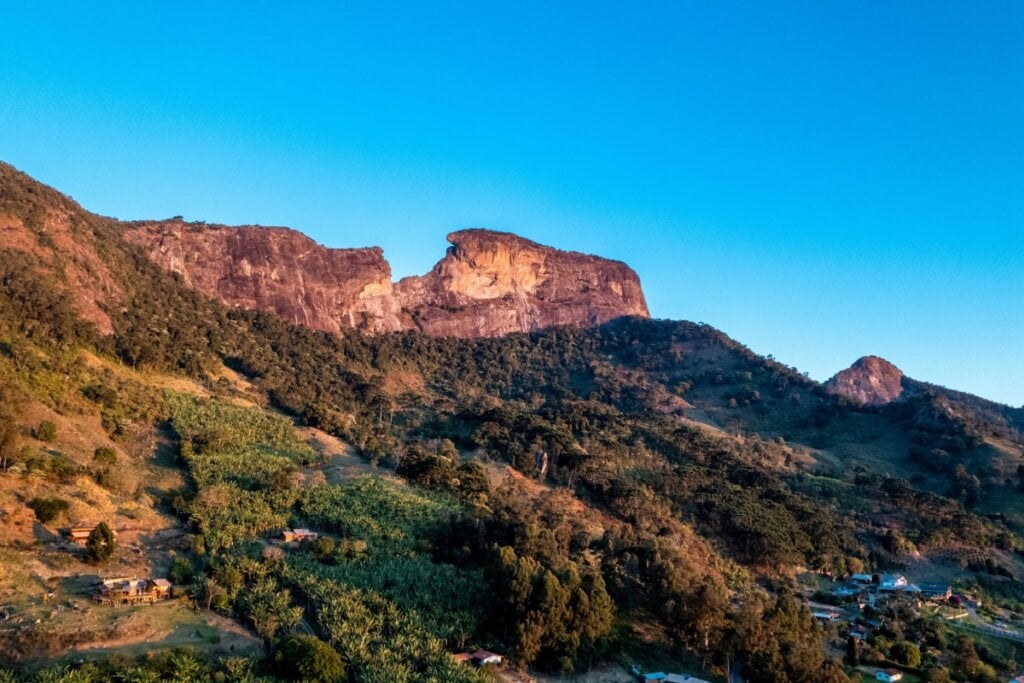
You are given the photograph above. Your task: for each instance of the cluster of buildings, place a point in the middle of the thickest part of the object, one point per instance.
(892, 584)
(131, 591)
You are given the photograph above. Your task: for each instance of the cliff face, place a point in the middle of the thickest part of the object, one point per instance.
(488, 283)
(492, 283)
(871, 380)
(277, 270)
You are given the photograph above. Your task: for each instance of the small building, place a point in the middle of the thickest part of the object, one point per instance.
(859, 632)
(824, 616)
(80, 534)
(936, 591)
(485, 658)
(1017, 679)
(892, 582)
(683, 678)
(861, 578)
(889, 675)
(298, 535)
(463, 658)
(655, 676)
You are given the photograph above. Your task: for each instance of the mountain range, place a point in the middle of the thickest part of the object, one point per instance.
(677, 481)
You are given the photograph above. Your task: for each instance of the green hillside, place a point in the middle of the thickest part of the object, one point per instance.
(694, 493)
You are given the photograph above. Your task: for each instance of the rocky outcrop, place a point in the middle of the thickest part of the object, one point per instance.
(492, 283)
(488, 283)
(277, 270)
(870, 381)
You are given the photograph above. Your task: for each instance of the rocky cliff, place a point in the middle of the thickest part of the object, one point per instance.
(488, 283)
(870, 380)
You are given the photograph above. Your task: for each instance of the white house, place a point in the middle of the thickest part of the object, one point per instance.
(892, 582)
(683, 678)
(889, 675)
(483, 658)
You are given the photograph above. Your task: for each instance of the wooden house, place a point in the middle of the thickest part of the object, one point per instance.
(132, 591)
(298, 535)
(80, 534)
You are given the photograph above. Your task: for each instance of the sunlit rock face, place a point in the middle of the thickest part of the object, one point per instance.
(870, 380)
(488, 283)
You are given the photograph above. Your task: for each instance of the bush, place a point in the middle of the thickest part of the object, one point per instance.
(46, 431)
(48, 509)
(180, 572)
(307, 658)
(105, 455)
(906, 653)
(323, 548)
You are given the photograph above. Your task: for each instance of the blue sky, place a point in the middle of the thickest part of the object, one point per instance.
(821, 180)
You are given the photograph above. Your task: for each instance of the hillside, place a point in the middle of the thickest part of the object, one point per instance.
(687, 485)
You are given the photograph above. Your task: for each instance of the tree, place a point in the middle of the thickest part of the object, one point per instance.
(853, 651)
(307, 658)
(100, 545)
(48, 509)
(906, 653)
(180, 572)
(9, 442)
(269, 608)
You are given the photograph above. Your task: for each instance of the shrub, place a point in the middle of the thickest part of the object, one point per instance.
(105, 455)
(180, 572)
(46, 431)
(48, 509)
(307, 658)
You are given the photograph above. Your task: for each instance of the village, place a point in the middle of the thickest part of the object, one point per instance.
(853, 609)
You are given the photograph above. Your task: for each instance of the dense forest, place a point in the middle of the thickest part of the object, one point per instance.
(665, 475)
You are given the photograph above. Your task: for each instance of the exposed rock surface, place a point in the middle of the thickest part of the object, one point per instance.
(488, 283)
(277, 270)
(871, 381)
(492, 283)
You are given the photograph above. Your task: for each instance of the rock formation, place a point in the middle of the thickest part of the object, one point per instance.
(871, 381)
(488, 283)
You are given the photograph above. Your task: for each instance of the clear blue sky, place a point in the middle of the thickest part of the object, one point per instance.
(821, 180)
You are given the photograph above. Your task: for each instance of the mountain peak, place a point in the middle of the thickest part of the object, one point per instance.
(871, 380)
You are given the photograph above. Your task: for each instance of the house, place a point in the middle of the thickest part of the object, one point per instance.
(861, 578)
(483, 658)
(80, 534)
(297, 535)
(892, 582)
(889, 675)
(683, 678)
(936, 591)
(824, 616)
(131, 591)
(859, 632)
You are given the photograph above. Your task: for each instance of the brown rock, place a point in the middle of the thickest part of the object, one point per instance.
(277, 270)
(487, 284)
(871, 381)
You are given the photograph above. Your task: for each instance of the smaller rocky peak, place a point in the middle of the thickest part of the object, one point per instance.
(870, 380)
